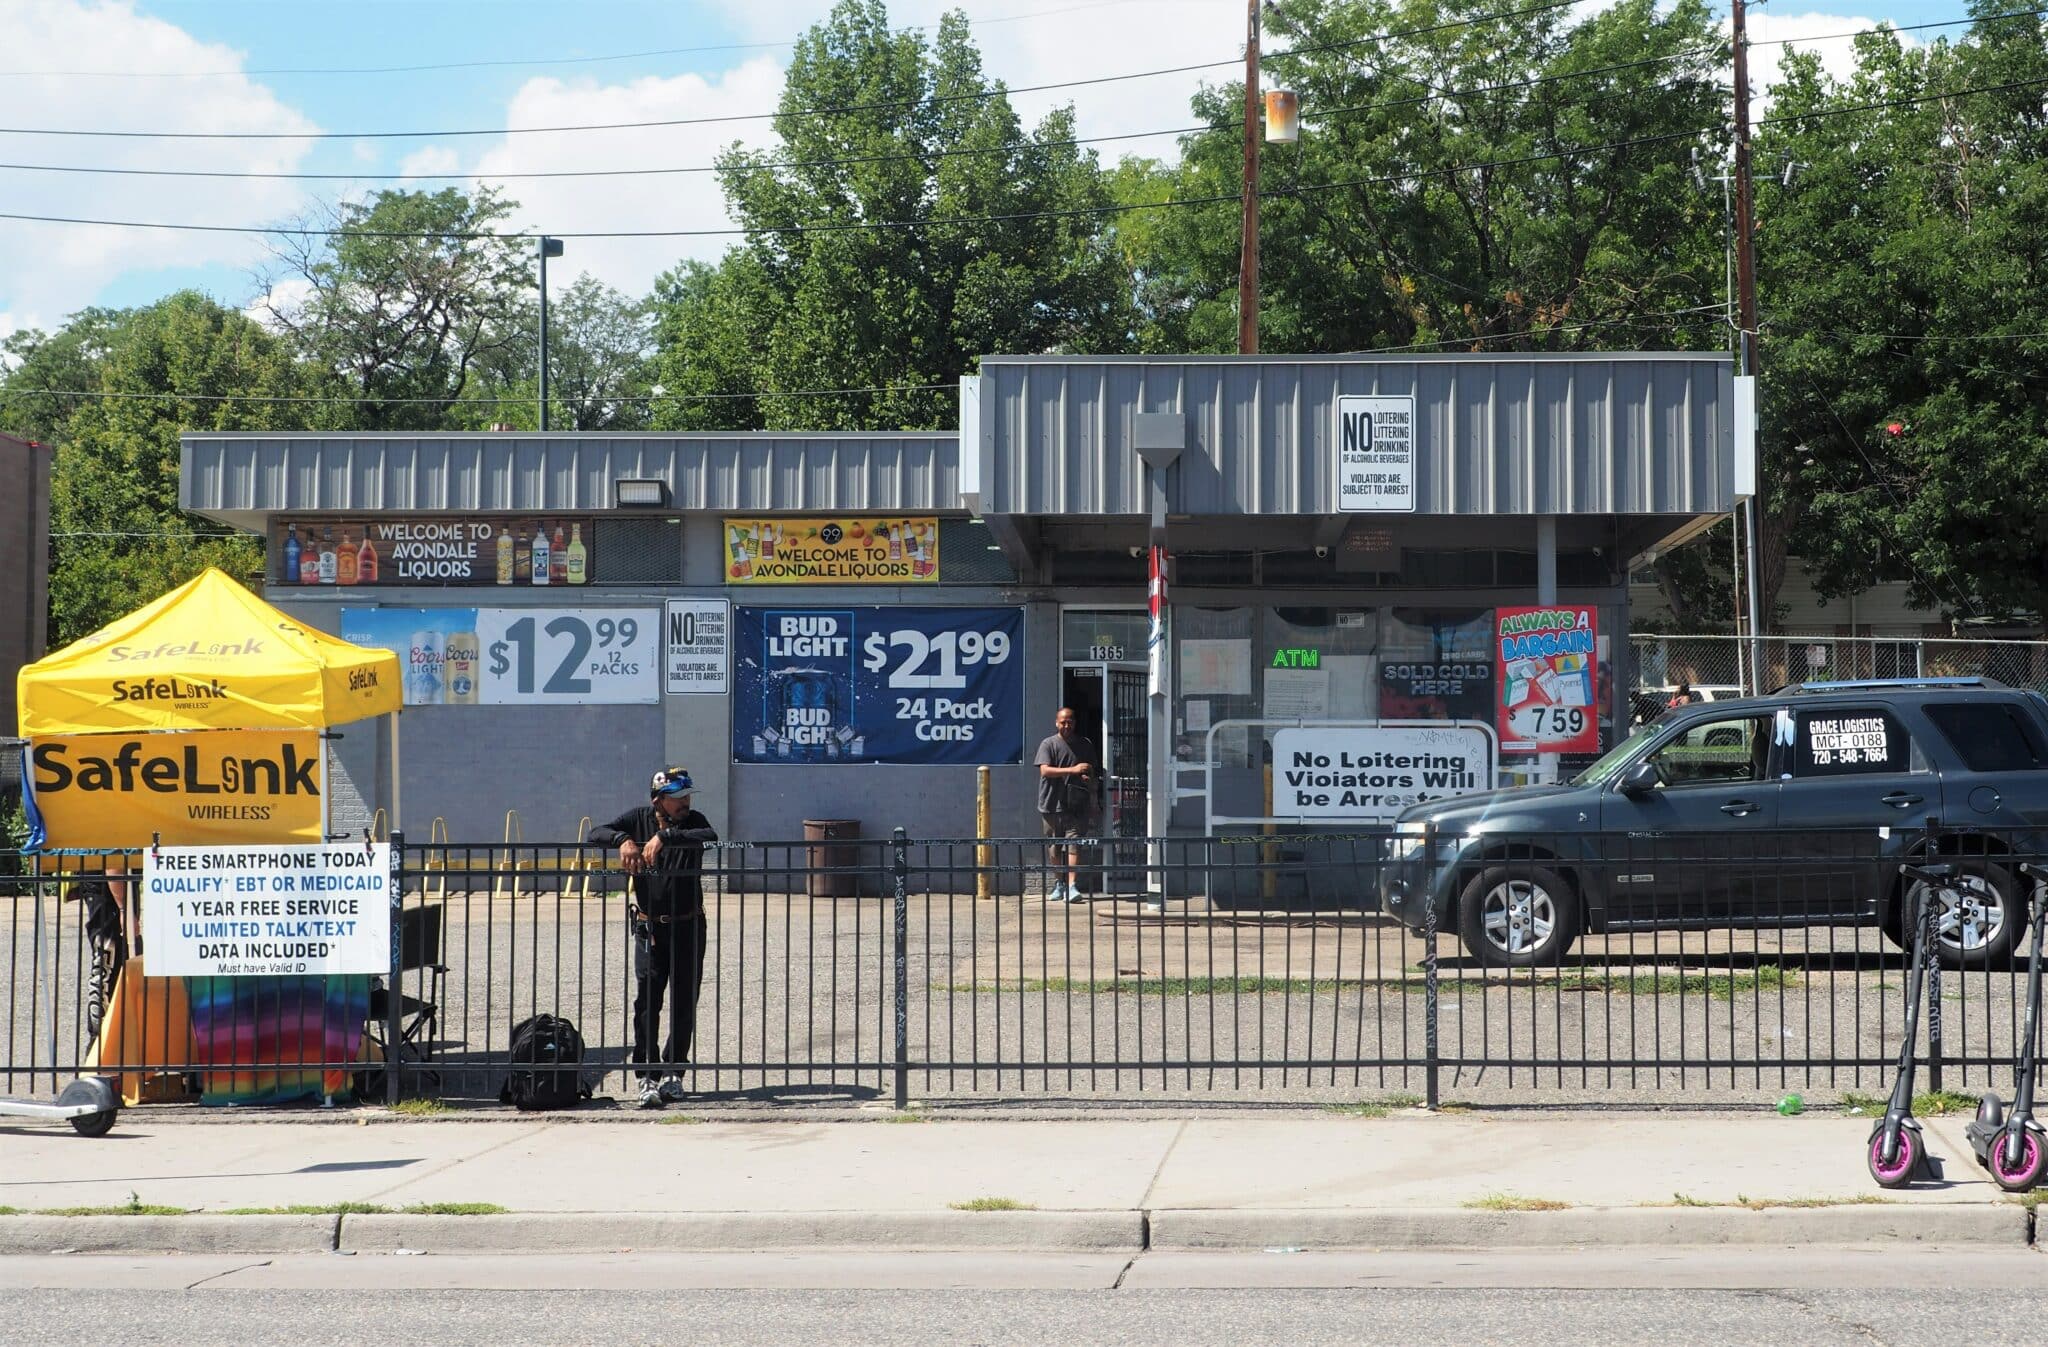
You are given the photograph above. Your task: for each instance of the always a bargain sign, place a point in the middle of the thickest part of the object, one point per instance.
(122, 790)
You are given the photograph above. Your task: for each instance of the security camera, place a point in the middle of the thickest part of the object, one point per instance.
(1322, 551)
(1137, 552)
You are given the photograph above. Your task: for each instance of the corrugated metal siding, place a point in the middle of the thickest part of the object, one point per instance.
(1495, 435)
(739, 473)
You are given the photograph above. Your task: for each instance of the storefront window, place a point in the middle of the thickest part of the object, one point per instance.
(1103, 636)
(1437, 664)
(1214, 680)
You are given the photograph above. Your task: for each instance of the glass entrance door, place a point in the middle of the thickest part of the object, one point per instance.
(1108, 701)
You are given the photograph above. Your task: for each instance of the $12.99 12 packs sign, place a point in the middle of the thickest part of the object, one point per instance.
(897, 685)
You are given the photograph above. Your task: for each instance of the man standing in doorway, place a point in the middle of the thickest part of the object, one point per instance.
(661, 844)
(1066, 795)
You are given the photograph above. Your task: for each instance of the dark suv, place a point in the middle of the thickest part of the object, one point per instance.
(1786, 810)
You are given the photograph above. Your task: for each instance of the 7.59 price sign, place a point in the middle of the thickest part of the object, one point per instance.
(898, 685)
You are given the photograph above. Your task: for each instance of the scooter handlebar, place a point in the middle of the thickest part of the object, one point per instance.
(1928, 874)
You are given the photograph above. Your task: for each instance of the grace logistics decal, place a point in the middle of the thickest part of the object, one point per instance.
(1548, 672)
(895, 685)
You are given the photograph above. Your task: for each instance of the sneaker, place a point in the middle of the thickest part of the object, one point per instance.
(672, 1091)
(1058, 894)
(1076, 896)
(650, 1094)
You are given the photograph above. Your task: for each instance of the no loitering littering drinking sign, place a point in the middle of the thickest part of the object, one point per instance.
(267, 911)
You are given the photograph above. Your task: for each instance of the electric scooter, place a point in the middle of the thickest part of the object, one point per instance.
(1896, 1151)
(2013, 1146)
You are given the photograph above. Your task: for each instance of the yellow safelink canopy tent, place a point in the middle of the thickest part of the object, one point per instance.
(209, 655)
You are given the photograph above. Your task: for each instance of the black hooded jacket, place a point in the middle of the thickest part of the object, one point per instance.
(670, 887)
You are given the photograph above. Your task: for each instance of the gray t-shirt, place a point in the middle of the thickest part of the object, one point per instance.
(1065, 794)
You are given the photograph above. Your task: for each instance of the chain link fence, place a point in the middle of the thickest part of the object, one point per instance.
(1727, 666)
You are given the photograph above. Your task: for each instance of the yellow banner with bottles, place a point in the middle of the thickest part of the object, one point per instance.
(868, 550)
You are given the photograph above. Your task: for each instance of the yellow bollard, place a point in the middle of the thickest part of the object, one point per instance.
(984, 823)
(1269, 882)
(580, 865)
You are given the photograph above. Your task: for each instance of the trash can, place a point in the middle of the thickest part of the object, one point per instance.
(834, 865)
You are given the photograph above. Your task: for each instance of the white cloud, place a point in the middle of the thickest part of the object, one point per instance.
(54, 270)
(1803, 32)
(431, 159)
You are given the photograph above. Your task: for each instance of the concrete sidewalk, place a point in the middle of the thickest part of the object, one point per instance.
(1298, 1180)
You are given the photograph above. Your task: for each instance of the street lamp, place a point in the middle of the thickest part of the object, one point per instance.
(548, 248)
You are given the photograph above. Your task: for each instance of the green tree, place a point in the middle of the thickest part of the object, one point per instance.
(1903, 272)
(410, 300)
(817, 299)
(1465, 178)
(39, 369)
(183, 363)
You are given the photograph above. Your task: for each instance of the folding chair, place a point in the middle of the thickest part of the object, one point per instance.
(419, 948)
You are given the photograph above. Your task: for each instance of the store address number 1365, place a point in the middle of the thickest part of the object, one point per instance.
(565, 655)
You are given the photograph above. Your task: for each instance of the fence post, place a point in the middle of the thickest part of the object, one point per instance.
(1931, 848)
(392, 993)
(899, 868)
(1431, 1065)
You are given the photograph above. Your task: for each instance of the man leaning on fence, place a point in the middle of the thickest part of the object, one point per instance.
(661, 845)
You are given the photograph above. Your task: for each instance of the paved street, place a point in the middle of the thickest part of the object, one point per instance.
(1821, 1298)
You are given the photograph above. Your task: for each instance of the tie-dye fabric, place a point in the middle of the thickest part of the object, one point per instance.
(248, 1034)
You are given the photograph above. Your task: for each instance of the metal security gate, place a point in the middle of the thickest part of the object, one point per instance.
(1126, 771)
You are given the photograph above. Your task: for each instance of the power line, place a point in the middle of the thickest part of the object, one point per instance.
(1895, 28)
(1296, 189)
(635, 399)
(508, 63)
(929, 101)
(1440, 92)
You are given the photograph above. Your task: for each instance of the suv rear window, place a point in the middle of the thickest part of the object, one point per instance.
(1989, 736)
(1846, 741)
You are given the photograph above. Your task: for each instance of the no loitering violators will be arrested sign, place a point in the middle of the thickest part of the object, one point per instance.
(267, 911)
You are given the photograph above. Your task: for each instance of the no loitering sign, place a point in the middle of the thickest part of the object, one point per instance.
(267, 911)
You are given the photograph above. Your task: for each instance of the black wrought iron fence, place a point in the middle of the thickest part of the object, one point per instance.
(1271, 965)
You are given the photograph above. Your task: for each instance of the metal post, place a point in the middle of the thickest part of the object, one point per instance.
(1933, 956)
(899, 866)
(984, 825)
(1746, 321)
(1248, 256)
(392, 996)
(1546, 593)
(1431, 1057)
(548, 248)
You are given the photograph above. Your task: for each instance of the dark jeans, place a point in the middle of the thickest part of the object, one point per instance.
(668, 957)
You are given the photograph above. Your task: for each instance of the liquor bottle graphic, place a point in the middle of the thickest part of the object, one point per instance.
(291, 557)
(327, 566)
(522, 559)
(768, 544)
(309, 561)
(366, 562)
(895, 542)
(558, 559)
(579, 557)
(736, 545)
(540, 555)
(345, 562)
(504, 555)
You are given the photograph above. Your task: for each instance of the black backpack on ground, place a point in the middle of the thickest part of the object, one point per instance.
(547, 1070)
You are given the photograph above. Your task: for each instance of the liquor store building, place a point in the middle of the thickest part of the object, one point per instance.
(850, 625)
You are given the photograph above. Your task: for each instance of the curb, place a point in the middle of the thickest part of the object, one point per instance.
(612, 1232)
(1590, 1227)
(196, 1233)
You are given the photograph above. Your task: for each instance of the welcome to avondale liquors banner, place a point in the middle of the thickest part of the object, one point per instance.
(123, 790)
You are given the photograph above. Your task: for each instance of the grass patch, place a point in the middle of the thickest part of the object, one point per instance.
(454, 1209)
(135, 1206)
(914, 1115)
(1374, 1108)
(991, 1204)
(11, 1211)
(1808, 1203)
(311, 1209)
(420, 1108)
(1514, 1202)
(1719, 986)
(1457, 1106)
(1685, 1200)
(1928, 1104)
(679, 1120)
(2030, 1200)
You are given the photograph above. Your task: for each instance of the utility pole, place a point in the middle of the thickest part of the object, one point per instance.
(1745, 315)
(1248, 259)
(548, 248)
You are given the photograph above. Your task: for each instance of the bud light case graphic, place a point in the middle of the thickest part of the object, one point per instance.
(888, 685)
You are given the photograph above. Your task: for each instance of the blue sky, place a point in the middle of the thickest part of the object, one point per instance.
(273, 66)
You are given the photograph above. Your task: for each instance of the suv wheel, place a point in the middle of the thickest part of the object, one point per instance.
(1979, 922)
(1518, 916)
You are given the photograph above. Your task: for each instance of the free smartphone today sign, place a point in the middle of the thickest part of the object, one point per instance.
(1370, 773)
(267, 911)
